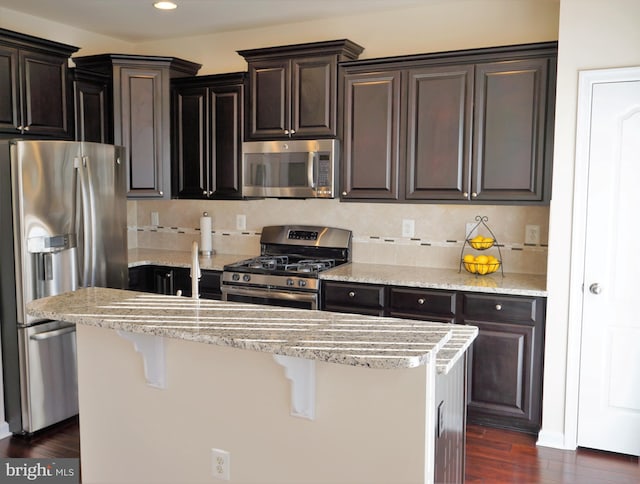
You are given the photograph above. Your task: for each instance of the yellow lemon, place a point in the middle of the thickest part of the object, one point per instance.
(482, 259)
(469, 258)
(487, 242)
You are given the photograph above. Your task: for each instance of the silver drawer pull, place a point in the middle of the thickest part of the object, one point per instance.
(498, 307)
(422, 300)
(352, 294)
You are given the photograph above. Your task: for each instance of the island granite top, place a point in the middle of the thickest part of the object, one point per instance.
(347, 339)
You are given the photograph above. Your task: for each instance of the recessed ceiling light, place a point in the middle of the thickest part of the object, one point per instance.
(165, 5)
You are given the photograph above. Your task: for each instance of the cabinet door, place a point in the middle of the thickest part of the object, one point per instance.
(505, 360)
(440, 103)
(93, 111)
(9, 90)
(370, 164)
(501, 381)
(162, 280)
(313, 100)
(143, 123)
(44, 94)
(510, 118)
(269, 111)
(225, 140)
(191, 166)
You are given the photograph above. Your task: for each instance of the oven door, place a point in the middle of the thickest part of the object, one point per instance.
(253, 295)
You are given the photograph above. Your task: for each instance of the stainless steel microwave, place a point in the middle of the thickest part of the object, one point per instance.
(290, 169)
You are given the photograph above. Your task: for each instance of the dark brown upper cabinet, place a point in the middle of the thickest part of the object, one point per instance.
(293, 89)
(33, 86)
(207, 136)
(370, 143)
(463, 126)
(92, 106)
(141, 110)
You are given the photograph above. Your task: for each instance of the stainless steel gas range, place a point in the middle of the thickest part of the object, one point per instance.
(286, 271)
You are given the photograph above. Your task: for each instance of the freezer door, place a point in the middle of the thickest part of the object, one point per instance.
(49, 379)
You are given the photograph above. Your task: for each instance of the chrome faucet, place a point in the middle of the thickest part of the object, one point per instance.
(195, 270)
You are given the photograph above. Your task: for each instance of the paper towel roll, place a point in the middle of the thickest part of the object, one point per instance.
(205, 234)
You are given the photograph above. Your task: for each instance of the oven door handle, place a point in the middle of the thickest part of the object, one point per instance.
(291, 296)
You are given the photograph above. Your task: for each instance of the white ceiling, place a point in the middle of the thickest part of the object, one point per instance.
(137, 20)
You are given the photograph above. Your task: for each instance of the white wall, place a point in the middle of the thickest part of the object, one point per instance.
(436, 26)
(89, 42)
(593, 34)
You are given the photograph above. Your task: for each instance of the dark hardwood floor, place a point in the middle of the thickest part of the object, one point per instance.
(493, 456)
(502, 456)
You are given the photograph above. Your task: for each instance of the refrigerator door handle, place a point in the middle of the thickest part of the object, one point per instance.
(52, 334)
(86, 221)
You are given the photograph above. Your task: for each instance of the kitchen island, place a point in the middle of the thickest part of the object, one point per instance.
(292, 395)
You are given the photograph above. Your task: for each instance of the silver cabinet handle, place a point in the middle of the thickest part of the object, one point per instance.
(465, 194)
(595, 288)
(421, 300)
(498, 307)
(286, 131)
(205, 193)
(352, 294)
(474, 195)
(344, 194)
(293, 131)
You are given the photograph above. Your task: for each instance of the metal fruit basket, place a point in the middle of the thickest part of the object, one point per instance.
(481, 265)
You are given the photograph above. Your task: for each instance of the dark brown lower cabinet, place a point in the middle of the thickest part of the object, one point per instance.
(170, 280)
(450, 424)
(504, 381)
(504, 386)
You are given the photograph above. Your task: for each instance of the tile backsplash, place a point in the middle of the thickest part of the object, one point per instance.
(437, 241)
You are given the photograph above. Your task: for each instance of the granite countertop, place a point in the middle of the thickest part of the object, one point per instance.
(426, 277)
(347, 339)
(180, 258)
(393, 275)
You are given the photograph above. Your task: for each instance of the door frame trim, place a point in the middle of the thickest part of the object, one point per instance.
(587, 79)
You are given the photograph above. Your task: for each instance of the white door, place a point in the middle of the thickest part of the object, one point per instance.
(609, 392)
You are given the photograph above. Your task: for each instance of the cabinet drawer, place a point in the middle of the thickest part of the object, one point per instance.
(440, 305)
(210, 285)
(362, 295)
(512, 309)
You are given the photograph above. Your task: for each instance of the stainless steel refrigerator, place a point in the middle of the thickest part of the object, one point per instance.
(63, 225)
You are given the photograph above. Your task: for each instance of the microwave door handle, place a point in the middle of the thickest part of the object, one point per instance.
(311, 166)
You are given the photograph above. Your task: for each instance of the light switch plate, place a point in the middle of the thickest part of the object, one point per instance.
(155, 219)
(241, 222)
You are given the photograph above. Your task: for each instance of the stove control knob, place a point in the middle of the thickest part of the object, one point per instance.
(290, 282)
(246, 278)
(302, 283)
(235, 277)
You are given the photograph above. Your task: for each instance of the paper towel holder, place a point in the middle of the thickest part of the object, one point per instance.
(206, 249)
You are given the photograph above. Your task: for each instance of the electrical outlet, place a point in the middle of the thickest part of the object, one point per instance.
(408, 228)
(532, 234)
(470, 232)
(221, 464)
(241, 222)
(155, 219)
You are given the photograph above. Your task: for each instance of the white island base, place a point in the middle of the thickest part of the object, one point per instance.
(370, 425)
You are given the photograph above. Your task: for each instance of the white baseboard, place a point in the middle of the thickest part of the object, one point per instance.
(554, 440)
(4, 430)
